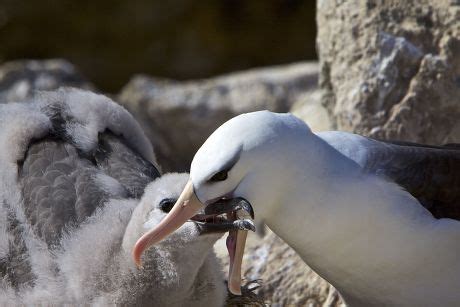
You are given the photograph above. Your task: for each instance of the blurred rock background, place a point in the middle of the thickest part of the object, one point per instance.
(109, 41)
(179, 116)
(388, 69)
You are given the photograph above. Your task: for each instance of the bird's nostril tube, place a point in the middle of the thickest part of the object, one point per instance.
(167, 204)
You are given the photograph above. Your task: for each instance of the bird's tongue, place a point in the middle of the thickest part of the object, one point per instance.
(236, 241)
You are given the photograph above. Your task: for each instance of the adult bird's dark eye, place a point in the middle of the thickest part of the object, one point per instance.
(220, 176)
(167, 204)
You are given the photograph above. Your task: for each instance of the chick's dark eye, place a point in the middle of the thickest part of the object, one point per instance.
(167, 204)
(220, 176)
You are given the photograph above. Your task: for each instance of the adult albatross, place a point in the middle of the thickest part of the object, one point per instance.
(339, 205)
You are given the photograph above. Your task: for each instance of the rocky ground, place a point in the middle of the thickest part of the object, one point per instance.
(285, 280)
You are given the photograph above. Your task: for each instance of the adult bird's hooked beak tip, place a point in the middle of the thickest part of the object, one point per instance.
(232, 204)
(186, 206)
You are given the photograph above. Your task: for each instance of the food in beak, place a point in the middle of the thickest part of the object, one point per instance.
(233, 215)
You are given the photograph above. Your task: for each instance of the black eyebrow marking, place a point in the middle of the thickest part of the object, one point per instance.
(230, 163)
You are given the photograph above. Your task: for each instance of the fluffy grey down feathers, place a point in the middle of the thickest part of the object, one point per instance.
(78, 186)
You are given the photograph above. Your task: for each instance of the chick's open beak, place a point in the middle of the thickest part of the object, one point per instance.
(186, 206)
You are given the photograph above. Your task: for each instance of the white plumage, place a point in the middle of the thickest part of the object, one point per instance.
(337, 204)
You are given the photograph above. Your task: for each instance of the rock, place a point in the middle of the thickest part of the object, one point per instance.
(179, 116)
(19, 79)
(308, 107)
(391, 69)
(285, 279)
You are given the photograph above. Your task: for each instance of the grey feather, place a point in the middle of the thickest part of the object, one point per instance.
(59, 181)
(116, 159)
(430, 173)
(58, 186)
(15, 268)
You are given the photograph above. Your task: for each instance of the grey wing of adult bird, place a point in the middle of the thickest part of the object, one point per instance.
(430, 173)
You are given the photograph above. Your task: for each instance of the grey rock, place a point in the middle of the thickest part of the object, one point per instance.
(179, 116)
(308, 107)
(19, 79)
(391, 69)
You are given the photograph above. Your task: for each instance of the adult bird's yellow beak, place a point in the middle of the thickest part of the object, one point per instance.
(185, 207)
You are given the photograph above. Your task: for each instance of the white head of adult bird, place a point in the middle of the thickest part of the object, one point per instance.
(367, 236)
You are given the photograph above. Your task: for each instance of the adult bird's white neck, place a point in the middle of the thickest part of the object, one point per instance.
(373, 241)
